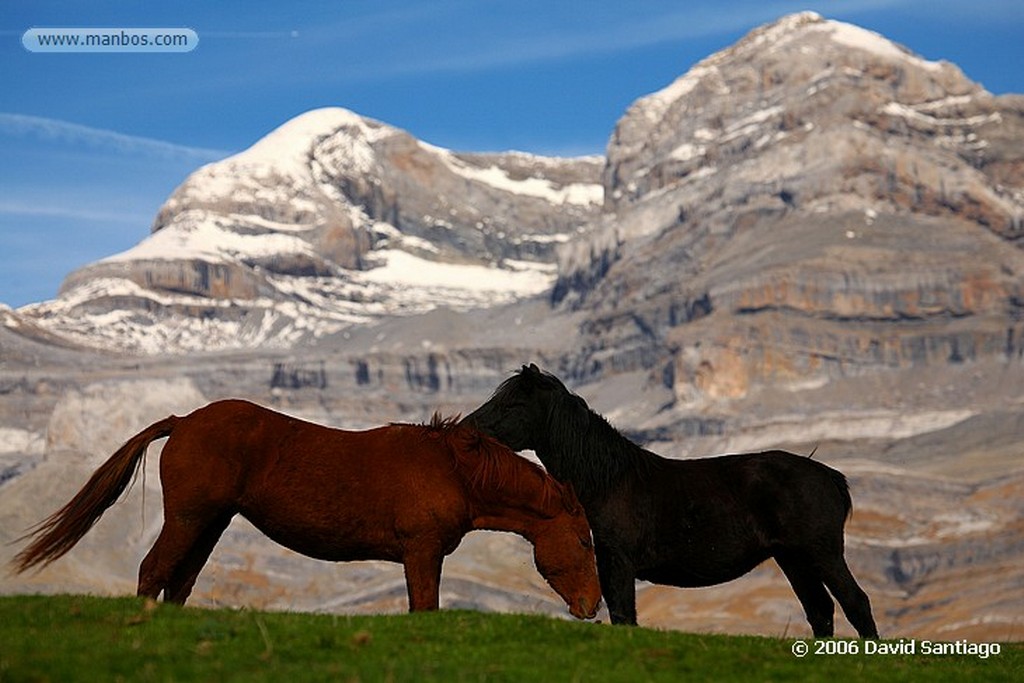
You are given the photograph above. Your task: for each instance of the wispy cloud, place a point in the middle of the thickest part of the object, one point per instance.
(468, 37)
(480, 44)
(48, 210)
(23, 125)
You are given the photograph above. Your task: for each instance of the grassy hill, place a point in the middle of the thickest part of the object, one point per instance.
(77, 638)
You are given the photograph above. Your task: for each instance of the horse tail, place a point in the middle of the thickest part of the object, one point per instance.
(843, 487)
(58, 533)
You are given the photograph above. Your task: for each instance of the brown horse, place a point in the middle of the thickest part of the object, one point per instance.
(402, 493)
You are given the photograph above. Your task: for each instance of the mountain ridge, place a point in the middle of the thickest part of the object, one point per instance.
(801, 207)
(332, 219)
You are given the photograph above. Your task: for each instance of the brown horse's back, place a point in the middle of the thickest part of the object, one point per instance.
(328, 493)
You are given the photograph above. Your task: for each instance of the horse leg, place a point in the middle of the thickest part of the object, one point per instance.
(618, 586)
(185, 574)
(852, 598)
(157, 567)
(810, 591)
(164, 569)
(423, 578)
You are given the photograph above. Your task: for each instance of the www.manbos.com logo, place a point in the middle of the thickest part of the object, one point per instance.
(110, 40)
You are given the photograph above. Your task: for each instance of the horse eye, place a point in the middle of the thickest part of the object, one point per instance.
(586, 543)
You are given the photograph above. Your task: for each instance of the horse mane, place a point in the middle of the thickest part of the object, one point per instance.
(486, 462)
(440, 423)
(586, 449)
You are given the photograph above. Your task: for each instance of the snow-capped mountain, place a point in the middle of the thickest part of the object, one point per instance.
(814, 173)
(330, 220)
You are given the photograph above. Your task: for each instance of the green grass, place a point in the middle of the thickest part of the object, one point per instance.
(78, 638)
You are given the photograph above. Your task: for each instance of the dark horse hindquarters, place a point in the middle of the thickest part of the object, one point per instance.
(732, 512)
(685, 522)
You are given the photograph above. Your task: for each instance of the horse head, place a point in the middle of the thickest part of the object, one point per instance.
(518, 411)
(564, 554)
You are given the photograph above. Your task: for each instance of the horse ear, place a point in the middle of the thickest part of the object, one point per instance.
(569, 498)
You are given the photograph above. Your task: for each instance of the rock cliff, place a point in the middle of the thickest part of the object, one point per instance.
(812, 202)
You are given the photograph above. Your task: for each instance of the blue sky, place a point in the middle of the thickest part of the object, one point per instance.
(94, 143)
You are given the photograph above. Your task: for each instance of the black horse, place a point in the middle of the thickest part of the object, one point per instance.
(685, 523)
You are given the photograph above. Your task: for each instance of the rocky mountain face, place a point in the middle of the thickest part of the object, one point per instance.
(331, 220)
(811, 240)
(811, 203)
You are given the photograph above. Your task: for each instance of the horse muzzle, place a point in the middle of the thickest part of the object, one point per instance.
(581, 610)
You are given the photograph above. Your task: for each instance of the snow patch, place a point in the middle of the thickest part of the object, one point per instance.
(403, 284)
(420, 244)
(918, 115)
(654, 106)
(287, 154)
(792, 27)
(404, 269)
(863, 39)
(781, 31)
(542, 188)
(751, 124)
(557, 238)
(289, 146)
(197, 235)
(687, 151)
